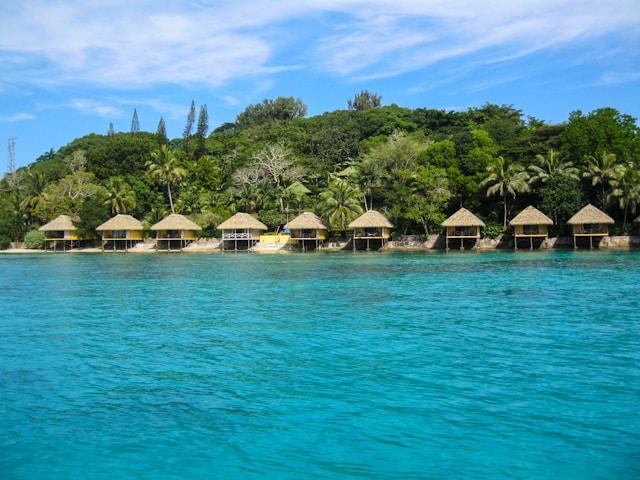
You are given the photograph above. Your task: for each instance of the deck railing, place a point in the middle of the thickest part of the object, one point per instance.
(236, 236)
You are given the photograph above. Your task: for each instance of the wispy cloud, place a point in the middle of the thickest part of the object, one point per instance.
(17, 117)
(616, 78)
(94, 107)
(123, 44)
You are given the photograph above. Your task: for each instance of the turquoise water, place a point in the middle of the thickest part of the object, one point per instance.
(320, 366)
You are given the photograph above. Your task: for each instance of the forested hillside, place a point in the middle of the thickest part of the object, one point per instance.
(416, 166)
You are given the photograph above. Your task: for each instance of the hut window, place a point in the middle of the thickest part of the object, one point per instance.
(589, 228)
(120, 234)
(531, 229)
(55, 234)
(173, 234)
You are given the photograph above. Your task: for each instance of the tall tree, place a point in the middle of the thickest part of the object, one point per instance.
(364, 100)
(280, 109)
(625, 185)
(550, 165)
(601, 169)
(161, 132)
(166, 170)
(340, 204)
(505, 178)
(120, 196)
(135, 124)
(203, 128)
(188, 128)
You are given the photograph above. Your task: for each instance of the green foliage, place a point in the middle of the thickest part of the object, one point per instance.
(364, 100)
(34, 239)
(5, 242)
(560, 198)
(93, 212)
(416, 165)
(282, 108)
(493, 230)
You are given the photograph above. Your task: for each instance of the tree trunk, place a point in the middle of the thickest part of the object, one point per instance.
(504, 202)
(624, 221)
(170, 197)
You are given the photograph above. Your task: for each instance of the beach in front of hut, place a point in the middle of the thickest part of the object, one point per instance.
(368, 365)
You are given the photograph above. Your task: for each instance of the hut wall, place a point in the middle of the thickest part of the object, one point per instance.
(520, 230)
(594, 229)
(470, 232)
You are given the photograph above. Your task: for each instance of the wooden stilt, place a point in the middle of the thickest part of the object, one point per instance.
(590, 242)
(446, 241)
(530, 243)
(575, 244)
(515, 243)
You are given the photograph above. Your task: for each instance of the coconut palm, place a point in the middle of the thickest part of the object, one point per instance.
(166, 170)
(601, 169)
(33, 187)
(120, 196)
(550, 165)
(340, 204)
(626, 190)
(505, 178)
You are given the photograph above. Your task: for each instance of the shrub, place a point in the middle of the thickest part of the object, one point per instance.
(34, 239)
(5, 242)
(493, 230)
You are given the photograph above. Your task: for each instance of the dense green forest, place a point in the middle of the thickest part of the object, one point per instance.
(415, 165)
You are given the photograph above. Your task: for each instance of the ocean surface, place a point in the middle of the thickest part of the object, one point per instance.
(320, 366)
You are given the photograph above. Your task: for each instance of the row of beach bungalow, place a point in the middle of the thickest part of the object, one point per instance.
(371, 230)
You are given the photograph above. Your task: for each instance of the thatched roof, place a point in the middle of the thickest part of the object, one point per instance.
(241, 221)
(590, 214)
(463, 218)
(176, 221)
(120, 222)
(371, 219)
(531, 216)
(306, 221)
(59, 224)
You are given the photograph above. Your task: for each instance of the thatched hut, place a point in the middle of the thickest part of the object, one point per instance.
(590, 222)
(60, 231)
(121, 231)
(530, 223)
(371, 229)
(307, 230)
(241, 231)
(462, 225)
(175, 230)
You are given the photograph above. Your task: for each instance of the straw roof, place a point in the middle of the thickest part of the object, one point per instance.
(176, 221)
(59, 224)
(463, 218)
(241, 221)
(306, 221)
(120, 222)
(371, 219)
(531, 216)
(590, 214)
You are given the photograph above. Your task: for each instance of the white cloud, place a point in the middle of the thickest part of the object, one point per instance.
(125, 44)
(616, 78)
(94, 107)
(17, 117)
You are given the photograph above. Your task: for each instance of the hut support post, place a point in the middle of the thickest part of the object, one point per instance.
(515, 243)
(575, 244)
(590, 242)
(446, 241)
(530, 243)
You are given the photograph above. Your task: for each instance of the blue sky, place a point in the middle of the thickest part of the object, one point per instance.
(69, 68)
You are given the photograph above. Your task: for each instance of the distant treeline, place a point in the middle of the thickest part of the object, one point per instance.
(414, 165)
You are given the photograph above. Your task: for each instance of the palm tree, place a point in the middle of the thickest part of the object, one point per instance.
(120, 196)
(34, 185)
(340, 204)
(626, 190)
(165, 169)
(506, 178)
(550, 165)
(601, 169)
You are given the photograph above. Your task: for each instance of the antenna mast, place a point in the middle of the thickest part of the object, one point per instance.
(11, 160)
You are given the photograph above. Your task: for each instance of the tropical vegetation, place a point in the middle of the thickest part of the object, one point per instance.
(414, 165)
